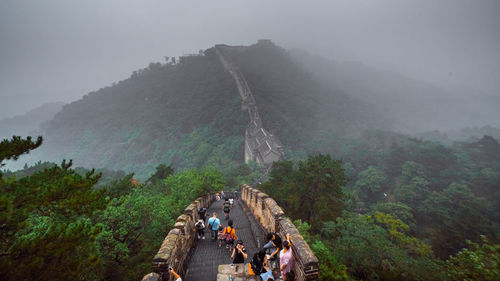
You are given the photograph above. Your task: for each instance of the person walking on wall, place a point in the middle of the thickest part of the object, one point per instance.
(230, 235)
(286, 258)
(200, 226)
(226, 207)
(202, 214)
(239, 253)
(214, 223)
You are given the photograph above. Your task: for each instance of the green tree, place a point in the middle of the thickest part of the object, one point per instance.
(478, 262)
(369, 184)
(313, 192)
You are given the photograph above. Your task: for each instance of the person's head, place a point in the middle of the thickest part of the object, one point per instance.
(214, 214)
(230, 223)
(226, 199)
(270, 236)
(221, 227)
(286, 244)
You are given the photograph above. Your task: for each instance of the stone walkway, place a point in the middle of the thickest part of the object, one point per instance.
(206, 257)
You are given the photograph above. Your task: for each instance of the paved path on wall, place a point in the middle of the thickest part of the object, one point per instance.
(206, 256)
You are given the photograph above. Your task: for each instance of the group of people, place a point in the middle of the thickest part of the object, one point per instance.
(275, 251)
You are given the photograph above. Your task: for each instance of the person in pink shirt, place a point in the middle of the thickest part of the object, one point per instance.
(286, 257)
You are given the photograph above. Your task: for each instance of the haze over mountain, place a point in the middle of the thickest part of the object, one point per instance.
(57, 50)
(188, 113)
(29, 123)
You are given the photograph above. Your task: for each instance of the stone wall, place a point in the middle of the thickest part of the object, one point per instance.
(176, 248)
(272, 218)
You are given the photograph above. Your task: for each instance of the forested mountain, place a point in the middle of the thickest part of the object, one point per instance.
(29, 123)
(188, 114)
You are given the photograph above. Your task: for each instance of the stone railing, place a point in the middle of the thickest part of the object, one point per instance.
(272, 218)
(176, 248)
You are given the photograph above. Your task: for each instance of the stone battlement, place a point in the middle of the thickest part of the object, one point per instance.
(273, 219)
(176, 248)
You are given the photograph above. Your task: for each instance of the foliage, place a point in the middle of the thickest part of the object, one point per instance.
(12, 149)
(312, 192)
(479, 262)
(56, 224)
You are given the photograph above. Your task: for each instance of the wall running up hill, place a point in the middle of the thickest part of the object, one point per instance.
(260, 145)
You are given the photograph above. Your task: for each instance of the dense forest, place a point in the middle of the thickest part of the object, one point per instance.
(398, 208)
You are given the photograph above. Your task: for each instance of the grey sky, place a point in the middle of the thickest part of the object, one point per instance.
(53, 50)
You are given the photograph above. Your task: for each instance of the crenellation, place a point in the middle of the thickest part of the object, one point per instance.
(273, 219)
(175, 248)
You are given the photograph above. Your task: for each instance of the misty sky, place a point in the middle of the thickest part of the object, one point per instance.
(59, 50)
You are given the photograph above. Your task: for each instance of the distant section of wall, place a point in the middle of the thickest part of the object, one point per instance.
(272, 218)
(260, 145)
(176, 248)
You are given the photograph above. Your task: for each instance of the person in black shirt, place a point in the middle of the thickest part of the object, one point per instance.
(202, 213)
(274, 244)
(239, 253)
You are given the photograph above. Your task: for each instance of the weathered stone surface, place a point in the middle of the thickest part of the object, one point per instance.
(151, 277)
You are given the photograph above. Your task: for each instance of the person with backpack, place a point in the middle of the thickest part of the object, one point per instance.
(200, 226)
(202, 213)
(230, 235)
(226, 207)
(239, 253)
(258, 266)
(214, 223)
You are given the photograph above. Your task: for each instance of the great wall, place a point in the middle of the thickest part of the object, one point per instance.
(260, 145)
(254, 214)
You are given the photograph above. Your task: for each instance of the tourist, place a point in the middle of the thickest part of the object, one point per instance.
(176, 276)
(217, 196)
(230, 235)
(226, 207)
(220, 235)
(273, 245)
(258, 266)
(239, 253)
(214, 224)
(286, 258)
(231, 200)
(222, 194)
(202, 213)
(200, 226)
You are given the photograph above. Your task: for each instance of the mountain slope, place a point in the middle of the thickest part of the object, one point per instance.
(185, 114)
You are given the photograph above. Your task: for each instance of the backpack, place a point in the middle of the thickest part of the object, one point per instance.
(226, 207)
(256, 265)
(199, 225)
(227, 235)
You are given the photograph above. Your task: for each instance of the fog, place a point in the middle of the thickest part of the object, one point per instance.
(59, 50)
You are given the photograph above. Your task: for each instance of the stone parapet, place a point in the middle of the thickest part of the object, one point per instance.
(176, 247)
(272, 218)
